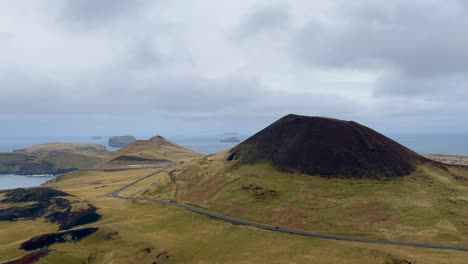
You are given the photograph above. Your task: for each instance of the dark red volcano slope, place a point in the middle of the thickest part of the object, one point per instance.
(327, 147)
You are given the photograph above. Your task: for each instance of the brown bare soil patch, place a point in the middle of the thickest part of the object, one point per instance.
(204, 192)
(234, 210)
(291, 217)
(376, 212)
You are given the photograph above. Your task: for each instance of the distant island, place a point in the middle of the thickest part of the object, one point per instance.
(231, 139)
(96, 137)
(231, 133)
(121, 141)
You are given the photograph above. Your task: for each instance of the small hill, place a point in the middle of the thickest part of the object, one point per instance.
(52, 158)
(81, 148)
(154, 150)
(327, 147)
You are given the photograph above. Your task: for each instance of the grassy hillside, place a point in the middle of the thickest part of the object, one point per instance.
(429, 205)
(150, 151)
(52, 158)
(145, 232)
(79, 148)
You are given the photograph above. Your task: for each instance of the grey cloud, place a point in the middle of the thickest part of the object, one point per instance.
(5, 36)
(144, 53)
(264, 19)
(419, 39)
(85, 14)
(443, 87)
(118, 92)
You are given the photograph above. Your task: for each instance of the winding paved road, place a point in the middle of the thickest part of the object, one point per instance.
(276, 228)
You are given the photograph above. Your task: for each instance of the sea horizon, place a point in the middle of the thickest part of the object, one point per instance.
(444, 144)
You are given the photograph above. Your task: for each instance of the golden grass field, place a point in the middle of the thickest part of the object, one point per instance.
(146, 232)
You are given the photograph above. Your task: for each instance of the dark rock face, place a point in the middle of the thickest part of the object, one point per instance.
(231, 139)
(32, 194)
(11, 162)
(327, 147)
(42, 168)
(47, 204)
(61, 237)
(30, 258)
(36, 168)
(67, 218)
(30, 211)
(121, 141)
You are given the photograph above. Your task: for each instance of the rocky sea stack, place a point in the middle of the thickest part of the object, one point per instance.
(327, 147)
(230, 140)
(121, 141)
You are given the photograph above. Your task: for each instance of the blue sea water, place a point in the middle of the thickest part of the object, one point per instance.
(449, 144)
(424, 144)
(205, 145)
(11, 181)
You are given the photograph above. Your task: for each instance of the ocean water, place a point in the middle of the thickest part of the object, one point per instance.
(11, 181)
(449, 144)
(424, 144)
(206, 145)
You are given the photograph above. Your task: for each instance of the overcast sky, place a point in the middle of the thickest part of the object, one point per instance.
(173, 67)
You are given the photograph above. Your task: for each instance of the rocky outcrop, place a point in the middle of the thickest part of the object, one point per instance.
(42, 167)
(68, 214)
(45, 240)
(121, 141)
(30, 258)
(12, 162)
(258, 192)
(21, 195)
(54, 205)
(29, 211)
